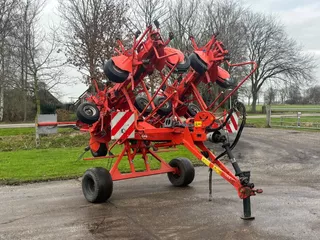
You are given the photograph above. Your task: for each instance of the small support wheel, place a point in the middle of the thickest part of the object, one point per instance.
(97, 185)
(166, 108)
(198, 64)
(140, 103)
(101, 152)
(182, 66)
(185, 173)
(88, 113)
(193, 109)
(114, 73)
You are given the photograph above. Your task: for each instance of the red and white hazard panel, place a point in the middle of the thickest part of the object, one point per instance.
(232, 124)
(122, 125)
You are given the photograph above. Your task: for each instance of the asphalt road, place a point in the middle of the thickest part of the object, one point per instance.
(284, 163)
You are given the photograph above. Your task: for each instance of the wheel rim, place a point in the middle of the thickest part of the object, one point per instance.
(176, 176)
(90, 110)
(144, 103)
(90, 185)
(177, 173)
(196, 110)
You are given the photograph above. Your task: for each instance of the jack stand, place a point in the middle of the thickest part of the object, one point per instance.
(244, 179)
(247, 209)
(210, 185)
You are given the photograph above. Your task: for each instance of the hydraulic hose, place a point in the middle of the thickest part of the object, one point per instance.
(242, 109)
(223, 124)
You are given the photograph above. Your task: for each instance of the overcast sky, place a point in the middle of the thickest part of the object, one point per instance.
(300, 17)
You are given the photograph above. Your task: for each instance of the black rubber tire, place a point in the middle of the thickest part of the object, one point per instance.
(186, 170)
(140, 103)
(197, 63)
(228, 83)
(165, 109)
(102, 151)
(138, 73)
(88, 113)
(97, 185)
(182, 67)
(114, 73)
(193, 109)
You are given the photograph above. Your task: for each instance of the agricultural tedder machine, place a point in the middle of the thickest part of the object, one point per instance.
(125, 113)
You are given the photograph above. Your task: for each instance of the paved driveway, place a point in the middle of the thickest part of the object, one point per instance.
(284, 163)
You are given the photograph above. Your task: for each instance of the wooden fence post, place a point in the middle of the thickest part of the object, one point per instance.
(268, 112)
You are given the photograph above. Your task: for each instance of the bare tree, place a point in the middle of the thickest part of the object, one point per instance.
(8, 11)
(90, 30)
(145, 12)
(245, 91)
(44, 65)
(184, 21)
(30, 10)
(312, 95)
(226, 18)
(294, 94)
(270, 95)
(283, 93)
(34, 54)
(279, 58)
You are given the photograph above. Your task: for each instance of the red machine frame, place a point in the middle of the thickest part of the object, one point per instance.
(149, 52)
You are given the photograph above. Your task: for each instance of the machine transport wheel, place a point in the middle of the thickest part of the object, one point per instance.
(197, 63)
(101, 152)
(114, 73)
(166, 108)
(193, 109)
(140, 103)
(88, 113)
(97, 185)
(185, 172)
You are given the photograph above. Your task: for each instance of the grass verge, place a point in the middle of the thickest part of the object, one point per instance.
(53, 164)
(287, 107)
(16, 131)
(306, 123)
(256, 122)
(65, 138)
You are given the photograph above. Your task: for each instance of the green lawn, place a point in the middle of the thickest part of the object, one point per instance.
(281, 107)
(61, 163)
(56, 158)
(309, 121)
(305, 121)
(256, 122)
(296, 105)
(24, 139)
(16, 131)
